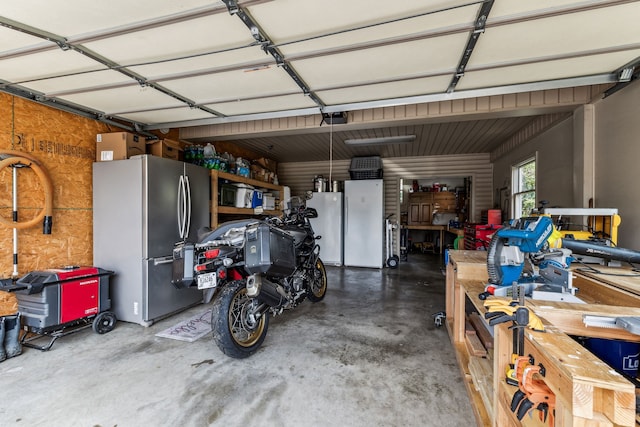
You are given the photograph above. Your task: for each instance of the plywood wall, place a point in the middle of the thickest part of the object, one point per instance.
(65, 144)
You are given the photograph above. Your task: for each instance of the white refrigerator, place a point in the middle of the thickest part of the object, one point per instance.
(328, 225)
(364, 223)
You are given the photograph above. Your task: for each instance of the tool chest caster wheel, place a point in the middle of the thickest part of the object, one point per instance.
(104, 322)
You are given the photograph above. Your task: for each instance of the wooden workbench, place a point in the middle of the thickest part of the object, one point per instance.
(438, 228)
(587, 391)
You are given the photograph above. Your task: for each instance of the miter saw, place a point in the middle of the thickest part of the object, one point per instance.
(532, 253)
(527, 251)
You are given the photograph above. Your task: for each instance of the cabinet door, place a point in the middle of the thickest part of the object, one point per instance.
(425, 213)
(414, 214)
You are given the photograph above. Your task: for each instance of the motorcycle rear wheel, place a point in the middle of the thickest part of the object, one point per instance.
(318, 285)
(237, 331)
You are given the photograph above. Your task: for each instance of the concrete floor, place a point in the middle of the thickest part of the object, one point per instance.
(368, 355)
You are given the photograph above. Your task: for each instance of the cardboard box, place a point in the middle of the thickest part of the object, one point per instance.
(268, 164)
(118, 146)
(258, 173)
(166, 148)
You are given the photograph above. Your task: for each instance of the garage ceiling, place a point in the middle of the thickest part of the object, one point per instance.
(154, 64)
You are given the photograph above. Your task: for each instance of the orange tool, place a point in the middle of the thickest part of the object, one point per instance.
(534, 394)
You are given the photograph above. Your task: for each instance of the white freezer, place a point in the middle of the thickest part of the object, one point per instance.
(328, 225)
(364, 223)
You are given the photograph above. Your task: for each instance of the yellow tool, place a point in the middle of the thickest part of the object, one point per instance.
(500, 310)
(498, 306)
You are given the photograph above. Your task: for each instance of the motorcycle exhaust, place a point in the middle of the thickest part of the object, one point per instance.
(266, 291)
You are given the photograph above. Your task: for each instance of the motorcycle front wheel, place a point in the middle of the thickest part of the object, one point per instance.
(238, 329)
(318, 286)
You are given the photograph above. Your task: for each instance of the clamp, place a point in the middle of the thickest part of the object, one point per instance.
(534, 393)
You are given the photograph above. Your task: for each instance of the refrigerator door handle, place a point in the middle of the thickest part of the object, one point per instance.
(346, 215)
(181, 206)
(163, 260)
(187, 187)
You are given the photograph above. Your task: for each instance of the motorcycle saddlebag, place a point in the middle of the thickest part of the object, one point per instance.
(269, 250)
(183, 265)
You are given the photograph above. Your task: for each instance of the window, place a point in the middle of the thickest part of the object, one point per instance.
(524, 188)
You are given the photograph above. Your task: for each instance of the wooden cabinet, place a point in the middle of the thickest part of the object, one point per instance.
(423, 205)
(420, 208)
(444, 202)
(221, 214)
(419, 213)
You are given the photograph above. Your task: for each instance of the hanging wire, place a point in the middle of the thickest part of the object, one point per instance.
(331, 156)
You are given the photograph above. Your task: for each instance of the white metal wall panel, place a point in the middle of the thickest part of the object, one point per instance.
(299, 176)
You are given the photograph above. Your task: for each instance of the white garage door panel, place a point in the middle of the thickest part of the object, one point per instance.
(423, 86)
(457, 19)
(520, 8)
(411, 59)
(344, 52)
(125, 99)
(45, 64)
(535, 72)
(82, 81)
(13, 40)
(251, 106)
(208, 34)
(168, 115)
(560, 35)
(234, 85)
(249, 56)
(73, 17)
(312, 17)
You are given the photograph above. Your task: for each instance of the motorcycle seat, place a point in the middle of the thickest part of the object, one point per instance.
(206, 234)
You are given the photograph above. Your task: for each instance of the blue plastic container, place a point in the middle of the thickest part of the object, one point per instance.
(623, 356)
(256, 199)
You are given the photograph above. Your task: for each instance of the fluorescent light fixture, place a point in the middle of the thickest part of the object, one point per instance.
(382, 140)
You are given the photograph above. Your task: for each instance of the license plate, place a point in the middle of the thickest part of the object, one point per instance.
(207, 280)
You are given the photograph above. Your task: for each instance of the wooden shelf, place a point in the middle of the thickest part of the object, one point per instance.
(231, 211)
(245, 211)
(243, 180)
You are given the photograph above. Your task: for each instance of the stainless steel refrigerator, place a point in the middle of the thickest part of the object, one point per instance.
(328, 225)
(364, 223)
(141, 207)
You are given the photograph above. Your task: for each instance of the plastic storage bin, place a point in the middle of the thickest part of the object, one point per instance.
(623, 356)
(244, 195)
(366, 168)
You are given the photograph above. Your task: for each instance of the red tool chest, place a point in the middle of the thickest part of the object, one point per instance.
(478, 236)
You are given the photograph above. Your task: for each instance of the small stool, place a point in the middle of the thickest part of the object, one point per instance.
(426, 247)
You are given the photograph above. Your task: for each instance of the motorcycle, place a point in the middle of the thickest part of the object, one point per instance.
(253, 269)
